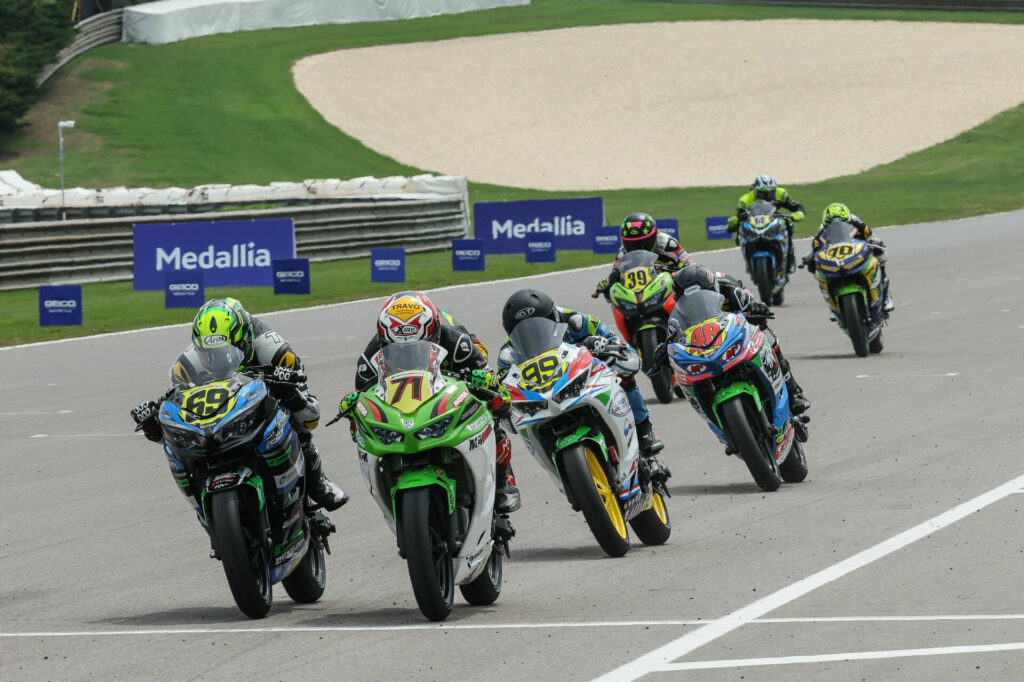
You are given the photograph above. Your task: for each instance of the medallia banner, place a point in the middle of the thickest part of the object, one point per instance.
(508, 226)
(229, 252)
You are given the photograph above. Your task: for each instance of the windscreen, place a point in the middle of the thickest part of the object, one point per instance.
(214, 364)
(695, 308)
(536, 335)
(838, 232)
(761, 207)
(402, 357)
(637, 259)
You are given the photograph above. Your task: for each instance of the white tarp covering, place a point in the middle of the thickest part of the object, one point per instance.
(169, 21)
(16, 192)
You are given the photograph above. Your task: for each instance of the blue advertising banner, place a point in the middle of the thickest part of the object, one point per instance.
(291, 276)
(669, 225)
(229, 252)
(540, 250)
(184, 289)
(468, 254)
(506, 226)
(717, 227)
(387, 265)
(606, 239)
(60, 306)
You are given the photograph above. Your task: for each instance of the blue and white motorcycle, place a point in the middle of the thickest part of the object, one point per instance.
(763, 238)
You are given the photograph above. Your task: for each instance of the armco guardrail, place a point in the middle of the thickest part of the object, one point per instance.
(101, 250)
(97, 30)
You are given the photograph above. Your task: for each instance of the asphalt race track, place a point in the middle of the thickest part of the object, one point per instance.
(900, 557)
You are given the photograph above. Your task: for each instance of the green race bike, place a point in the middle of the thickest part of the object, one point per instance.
(426, 448)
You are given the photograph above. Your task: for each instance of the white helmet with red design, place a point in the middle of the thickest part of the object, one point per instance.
(408, 316)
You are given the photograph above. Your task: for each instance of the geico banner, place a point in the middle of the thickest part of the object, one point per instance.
(60, 305)
(184, 289)
(540, 250)
(606, 239)
(291, 276)
(668, 226)
(387, 265)
(508, 226)
(228, 252)
(717, 226)
(468, 254)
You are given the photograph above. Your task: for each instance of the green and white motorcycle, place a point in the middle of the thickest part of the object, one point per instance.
(426, 448)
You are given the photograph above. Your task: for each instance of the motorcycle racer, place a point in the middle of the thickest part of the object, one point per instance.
(222, 322)
(640, 232)
(841, 212)
(588, 331)
(411, 316)
(764, 187)
(737, 300)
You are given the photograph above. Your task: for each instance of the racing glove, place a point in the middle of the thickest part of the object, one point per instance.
(601, 288)
(288, 374)
(660, 358)
(348, 403)
(145, 416)
(733, 224)
(797, 216)
(808, 262)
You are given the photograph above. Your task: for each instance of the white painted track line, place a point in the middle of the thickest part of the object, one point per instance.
(853, 656)
(660, 659)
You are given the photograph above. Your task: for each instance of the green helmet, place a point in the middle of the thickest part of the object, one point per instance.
(220, 322)
(835, 211)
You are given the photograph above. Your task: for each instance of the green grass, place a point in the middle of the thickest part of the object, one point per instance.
(224, 109)
(114, 306)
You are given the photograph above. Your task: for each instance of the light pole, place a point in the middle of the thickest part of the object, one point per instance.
(61, 125)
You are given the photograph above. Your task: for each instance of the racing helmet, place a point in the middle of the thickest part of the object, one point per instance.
(639, 232)
(835, 211)
(408, 316)
(222, 321)
(764, 187)
(527, 303)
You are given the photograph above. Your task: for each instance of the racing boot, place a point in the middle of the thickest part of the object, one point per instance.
(320, 489)
(798, 404)
(791, 260)
(650, 444)
(888, 306)
(506, 494)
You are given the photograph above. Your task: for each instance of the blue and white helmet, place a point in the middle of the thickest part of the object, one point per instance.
(764, 186)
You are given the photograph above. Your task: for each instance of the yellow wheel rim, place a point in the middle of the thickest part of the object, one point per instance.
(608, 497)
(658, 505)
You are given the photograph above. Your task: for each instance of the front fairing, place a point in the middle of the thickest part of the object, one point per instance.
(217, 417)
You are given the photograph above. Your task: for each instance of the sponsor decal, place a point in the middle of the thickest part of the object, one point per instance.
(387, 263)
(189, 287)
(224, 481)
(507, 226)
(285, 274)
(524, 313)
(459, 399)
(468, 253)
(53, 303)
(405, 308)
(539, 245)
(619, 405)
(361, 409)
(211, 340)
(692, 289)
(480, 421)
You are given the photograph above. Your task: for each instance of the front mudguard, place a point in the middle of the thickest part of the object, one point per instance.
(733, 390)
(581, 436)
(422, 478)
(251, 490)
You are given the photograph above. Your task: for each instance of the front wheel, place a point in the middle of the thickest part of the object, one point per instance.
(764, 278)
(243, 557)
(794, 467)
(760, 458)
(850, 308)
(596, 498)
(653, 526)
(306, 583)
(485, 588)
(662, 380)
(431, 568)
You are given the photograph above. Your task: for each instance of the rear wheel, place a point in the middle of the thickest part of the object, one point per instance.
(596, 498)
(876, 345)
(662, 380)
(431, 569)
(244, 559)
(653, 526)
(760, 458)
(485, 588)
(306, 583)
(794, 467)
(764, 278)
(850, 306)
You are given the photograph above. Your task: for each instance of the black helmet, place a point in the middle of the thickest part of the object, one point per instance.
(527, 303)
(639, 232)
(694, 275)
